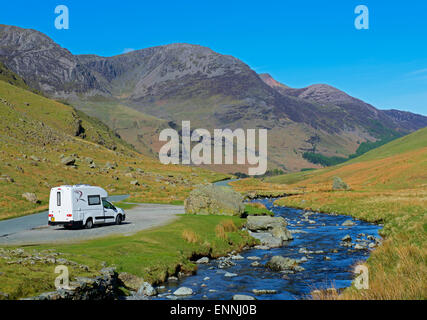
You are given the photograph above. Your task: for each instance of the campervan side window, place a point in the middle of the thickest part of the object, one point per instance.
(94, 200)
(58, 199)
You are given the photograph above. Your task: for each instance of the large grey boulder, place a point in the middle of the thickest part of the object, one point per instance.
(266, 239)
(210, 199)
(261, 223)
(281, 233)
(270, 231)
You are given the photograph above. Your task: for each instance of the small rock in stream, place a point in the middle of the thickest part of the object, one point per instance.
(183, 291)
(346, 238)
(253, 258)
(147, 290)
(243, 297)
(230, 275)
(203, 260)
(348, 223)
(264, 291)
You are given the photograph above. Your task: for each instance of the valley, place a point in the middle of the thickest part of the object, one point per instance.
(141, 92)
(332, 158)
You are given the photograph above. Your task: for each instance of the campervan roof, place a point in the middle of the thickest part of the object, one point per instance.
(86, 187)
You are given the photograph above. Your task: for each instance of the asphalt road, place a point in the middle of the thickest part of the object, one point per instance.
(11, 226)
(33, 229)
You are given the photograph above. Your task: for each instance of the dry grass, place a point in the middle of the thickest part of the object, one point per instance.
(257, 205)
(220, 232)
(190, 236)
(401, 275)
(223, 227)
(388, 186)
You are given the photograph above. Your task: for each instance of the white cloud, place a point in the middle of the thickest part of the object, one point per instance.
(417, 72)
(127, 50)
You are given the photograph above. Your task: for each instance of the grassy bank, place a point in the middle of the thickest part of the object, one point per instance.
(151, 254)
(398, 268)
(257, 209)
(387, 185)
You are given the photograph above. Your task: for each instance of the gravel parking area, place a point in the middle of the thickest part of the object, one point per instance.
(141, 217)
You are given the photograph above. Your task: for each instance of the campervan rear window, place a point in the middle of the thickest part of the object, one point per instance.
(94, 200)
(58, 199)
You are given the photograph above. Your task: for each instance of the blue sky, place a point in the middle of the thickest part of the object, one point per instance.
(298, 42)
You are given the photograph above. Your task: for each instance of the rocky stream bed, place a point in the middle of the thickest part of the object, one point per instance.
(322, 254)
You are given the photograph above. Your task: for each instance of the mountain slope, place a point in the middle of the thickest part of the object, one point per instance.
(388, 186)
(349, 108)
(171, 83)
(43, 64)
(400, 164)
(38, 134)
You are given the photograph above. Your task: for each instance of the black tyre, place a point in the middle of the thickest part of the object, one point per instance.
(89, 224)
(119, 219)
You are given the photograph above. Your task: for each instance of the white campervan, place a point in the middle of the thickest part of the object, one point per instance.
(82, 205)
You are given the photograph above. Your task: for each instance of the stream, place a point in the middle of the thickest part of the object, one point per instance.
(327, 264)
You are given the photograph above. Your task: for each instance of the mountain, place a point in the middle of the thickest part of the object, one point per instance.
(350, 108)
(269, 80)
(45, 143)
(406, 119)
(140, 92)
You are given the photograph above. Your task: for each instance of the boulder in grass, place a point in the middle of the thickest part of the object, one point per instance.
(214, 200)
(339, 184)
(68, 161)
(135, 183)
(31, 197)
(7, 178)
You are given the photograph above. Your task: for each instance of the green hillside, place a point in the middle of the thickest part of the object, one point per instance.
(386, 185)
(37, 135)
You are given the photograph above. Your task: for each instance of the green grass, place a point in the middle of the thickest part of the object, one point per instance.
(21, 280)
(151, 254)
(257, 209)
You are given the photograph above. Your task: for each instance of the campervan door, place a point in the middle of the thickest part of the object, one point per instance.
(60, 204)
